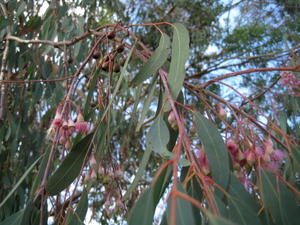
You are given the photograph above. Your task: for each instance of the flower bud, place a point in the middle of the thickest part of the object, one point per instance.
(71, 125)
(172, 120)
(250, 157)
(232, 146)
(80, 117)
(68, 144)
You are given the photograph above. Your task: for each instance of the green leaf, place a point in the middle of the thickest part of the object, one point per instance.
(241, 213)
(14, 219)
(215, 149)
(40, 174)
(288, 205)
(79, 215)
(156, 61)
(21, 9)
(147, 102)
(184, 211)
(157, 140)
(269, 195)
(70, 167)
(20, 181)
(237, 190)
(158, 137)
(140, 172)
(143, 211)
(218, 220)
(180, 53)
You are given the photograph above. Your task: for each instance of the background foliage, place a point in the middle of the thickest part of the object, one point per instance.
(149, 112)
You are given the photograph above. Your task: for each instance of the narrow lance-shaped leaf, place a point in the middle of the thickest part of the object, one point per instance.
(278, 200)
(158, 137)
(156, 61)
(215, 149)
(157, 140)
(184, 211)
(14, 219)
(78, 216)
(20, 181)
(269, 195)
(143, 211)
(180, 52)
(70, 167)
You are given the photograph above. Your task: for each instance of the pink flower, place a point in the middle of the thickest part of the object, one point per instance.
(278, 155)
(259, 152)
(271, 166)
(82, 127)
(203, 162)
(65, 126)
(232, 146)
(250, 157)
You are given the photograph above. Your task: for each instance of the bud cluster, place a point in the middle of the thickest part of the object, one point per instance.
(67, 127)
(109, 177)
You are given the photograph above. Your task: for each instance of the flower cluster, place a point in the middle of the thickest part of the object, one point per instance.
(243, 162)
(109, 177)
(289, 79)
(67, 127)
(268, 157)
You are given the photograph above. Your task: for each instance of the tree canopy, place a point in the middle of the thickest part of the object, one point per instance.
(149, 112)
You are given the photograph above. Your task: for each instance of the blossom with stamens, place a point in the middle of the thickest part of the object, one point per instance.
(278, 155)
(82, 127)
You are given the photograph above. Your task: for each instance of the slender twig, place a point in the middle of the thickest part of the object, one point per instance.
(4, 67)
(295, 68)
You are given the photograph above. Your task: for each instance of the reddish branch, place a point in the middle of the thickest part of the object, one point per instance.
(295, 68)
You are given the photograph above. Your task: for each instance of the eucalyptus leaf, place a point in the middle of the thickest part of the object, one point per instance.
(180, 53)
(215, 149)
(70, 167)
(156, 61)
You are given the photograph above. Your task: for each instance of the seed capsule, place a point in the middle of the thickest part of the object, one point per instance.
(120, 48)
(111, 35)
(116, 68)
(96, 54)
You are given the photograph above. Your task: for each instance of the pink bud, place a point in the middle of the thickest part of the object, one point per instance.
(233, 148)
(93, 174)
(65, 125)
(268, 146)
(172, 120)
(57, 122)
(71, 126)
(221, 111)
(93, 161)
(250, 157)
(80, 117)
